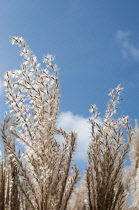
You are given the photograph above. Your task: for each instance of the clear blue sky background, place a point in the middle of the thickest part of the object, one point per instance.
(96, 44)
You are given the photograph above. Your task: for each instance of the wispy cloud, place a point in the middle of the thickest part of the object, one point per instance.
(70, 122)
(128, 49)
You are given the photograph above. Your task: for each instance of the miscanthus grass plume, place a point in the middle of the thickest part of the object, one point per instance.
(106, 158)
(41, 176)
(102, 187)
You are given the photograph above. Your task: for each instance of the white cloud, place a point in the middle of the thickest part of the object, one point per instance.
(128, 49)
(69, 122)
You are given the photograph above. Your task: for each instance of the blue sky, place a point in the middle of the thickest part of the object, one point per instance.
(96, 44)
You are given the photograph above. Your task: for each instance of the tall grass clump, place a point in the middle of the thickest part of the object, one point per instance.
(103, 187)
(106, 158)
(41, 177)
